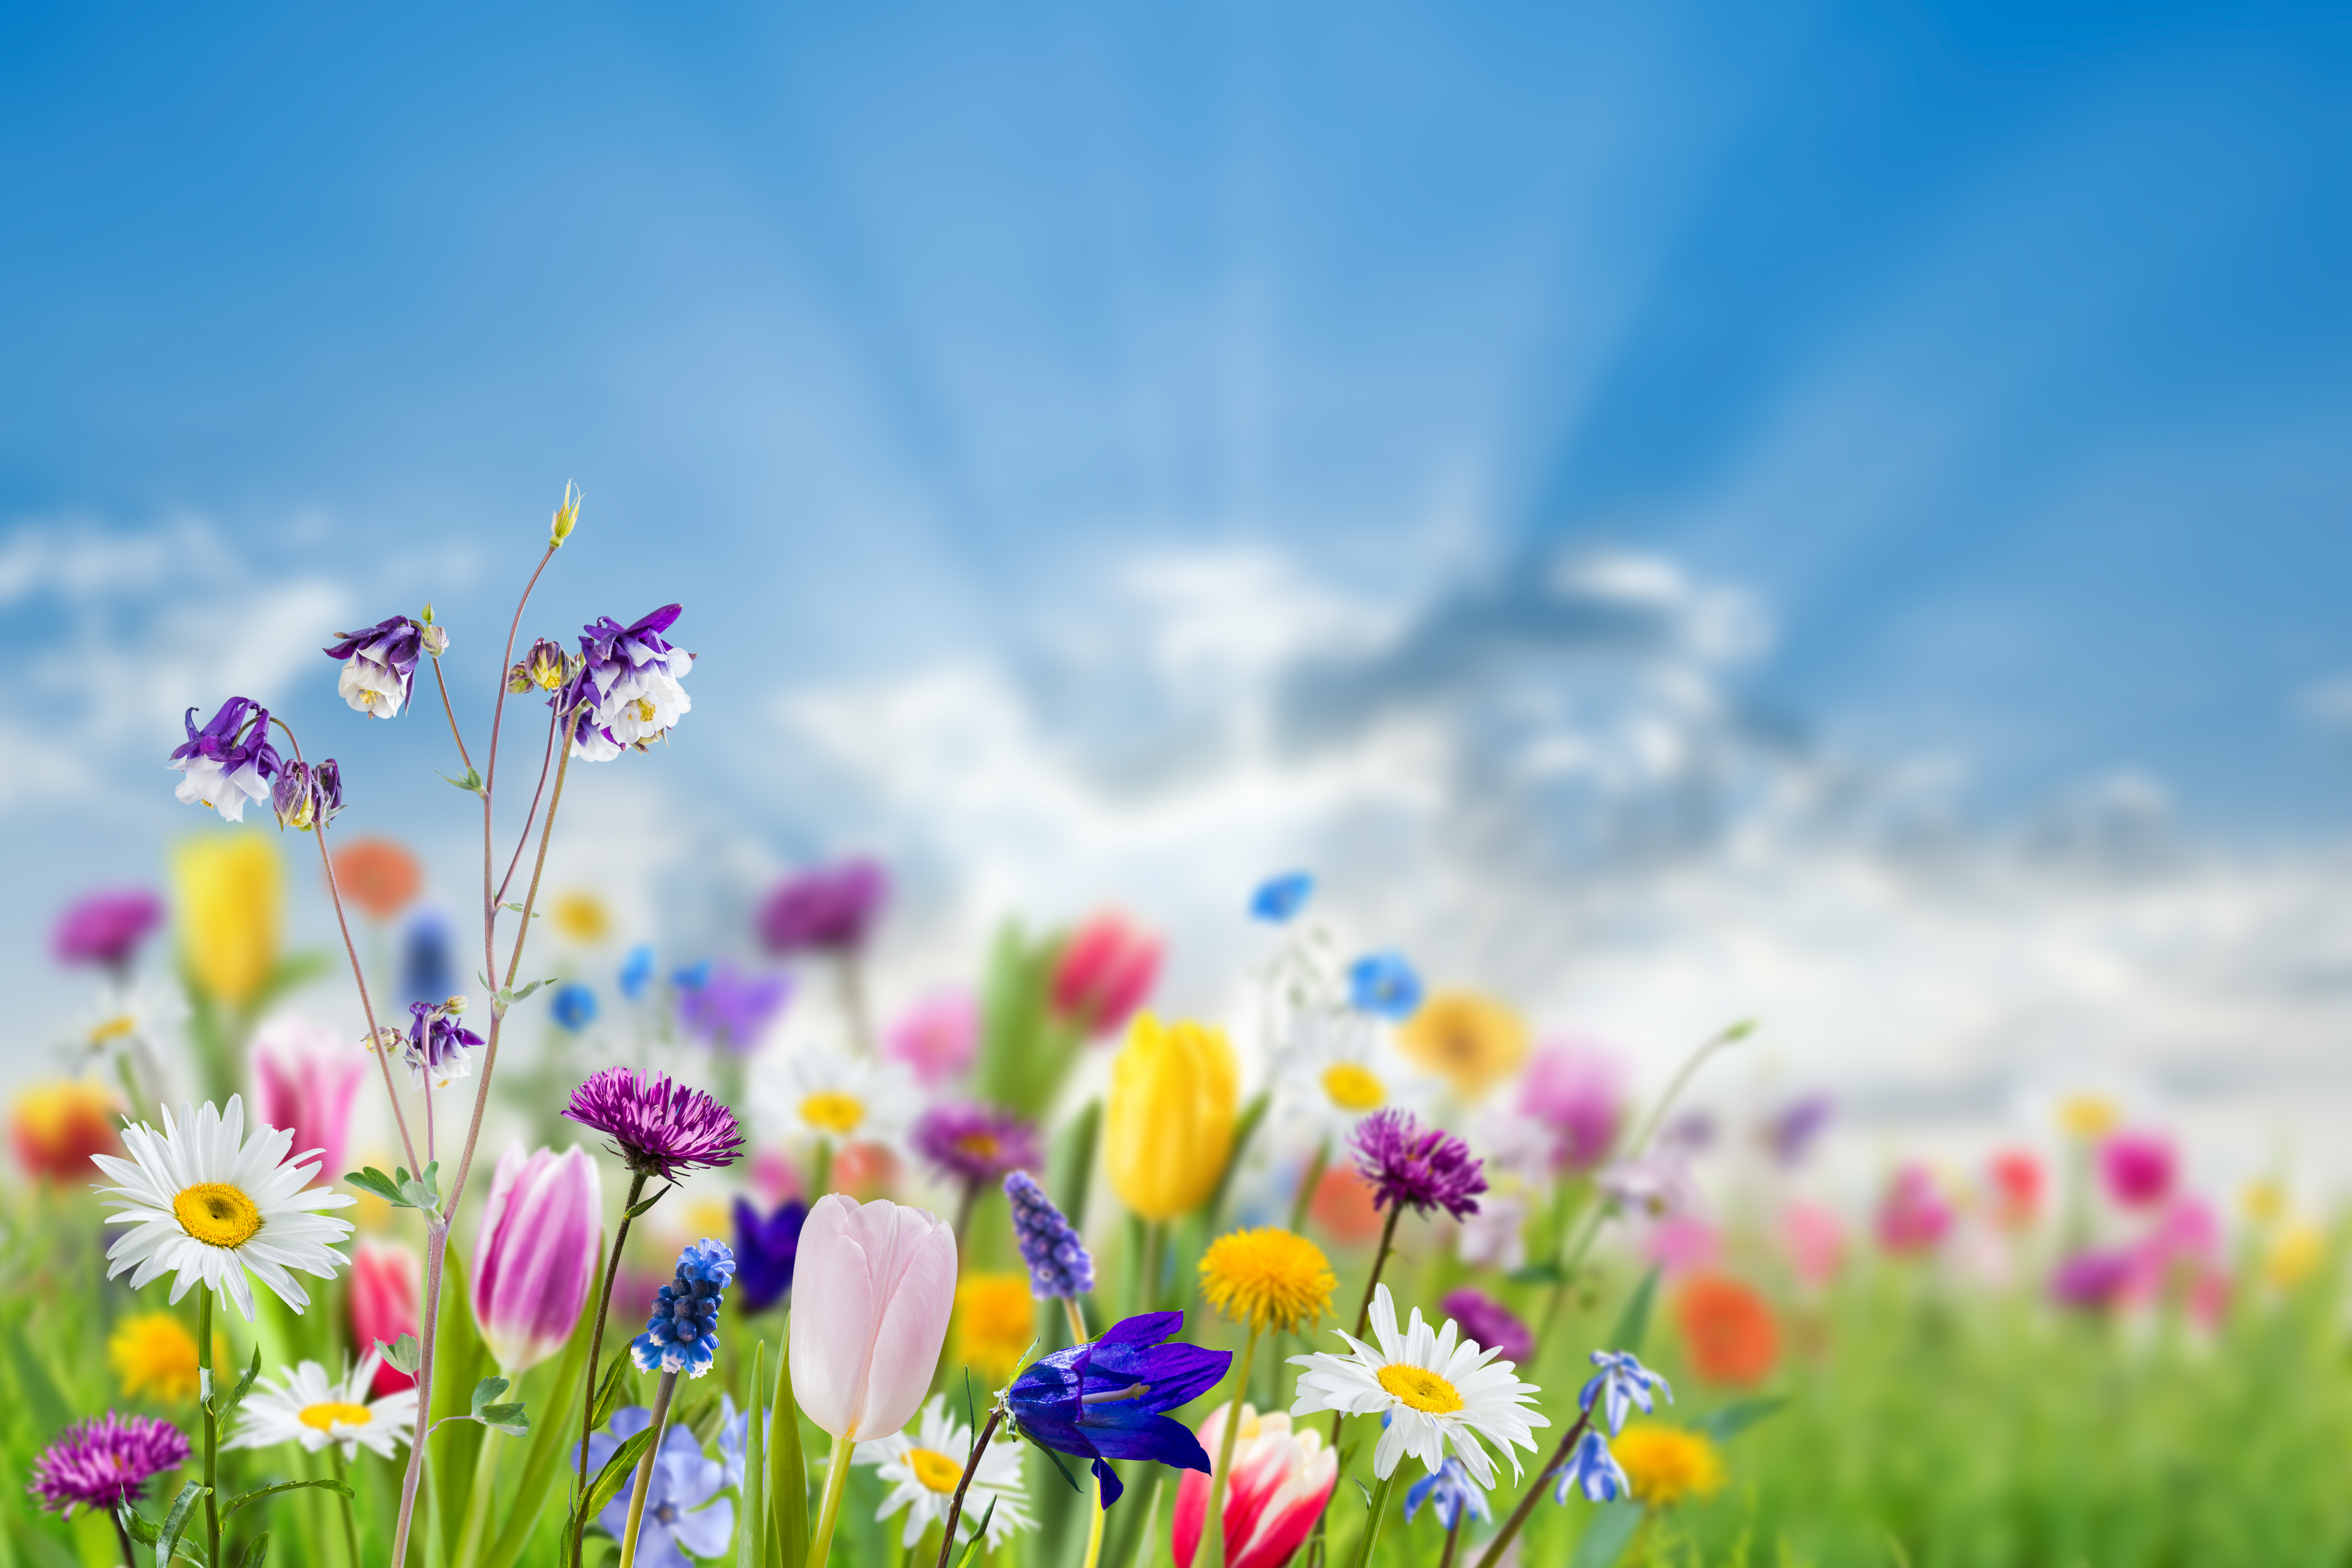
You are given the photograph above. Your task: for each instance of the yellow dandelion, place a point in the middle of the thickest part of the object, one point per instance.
(1667, 1464)
(2088, 1116)
(2294, 1255)
(996, 1319)
(582, 916)
(1267, 1279)
(153, 1356)
(1474, 1041)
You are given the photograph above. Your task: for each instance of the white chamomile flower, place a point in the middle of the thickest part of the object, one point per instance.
(832, 1098)
(314, 1410)
(1437, 1393)
(1333, 1063)
(922, 1471)
(207, 1204)
(124, 1017)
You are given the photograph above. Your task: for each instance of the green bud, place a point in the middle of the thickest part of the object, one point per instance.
(567, 517)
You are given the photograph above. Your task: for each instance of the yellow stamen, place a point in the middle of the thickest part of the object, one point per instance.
(834, 1111)
(1421, 1388)
(333, 1414)
(1354, 1088)
(934, 1470)
(113, 1028)
(216, 1214)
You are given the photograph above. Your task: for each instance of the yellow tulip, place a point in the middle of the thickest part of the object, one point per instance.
(228, 889)
(1174, 1089)
(1474, 1041)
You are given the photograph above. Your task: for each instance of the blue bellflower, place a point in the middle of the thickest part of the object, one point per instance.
(1623, 1382)
(765, 1252)
(1450, 1491)
(1059, 1263)
(1278, 900)
(682, 1334)
(1109, 1399)
(1593, 1470)
(1384, 984)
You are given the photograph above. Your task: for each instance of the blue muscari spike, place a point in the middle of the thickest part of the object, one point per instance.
(682, 1334)
(1059, 1264)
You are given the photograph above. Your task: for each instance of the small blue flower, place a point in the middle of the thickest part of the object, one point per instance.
(1384, 984)
(1626, 1383)
(692, 977)
(682, 1334)
(637, 969)
(427, 971)
(684, 1512)
(1278, 899)
(1593, 1470)
(1059, 1263)
(1451, 1490)
(574, 1006)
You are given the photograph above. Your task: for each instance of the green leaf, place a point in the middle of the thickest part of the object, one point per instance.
(459, 1361)
(511, 1419)
(979, 1534)
(1073, 1163)
(615, 1472)
(1740, 1031)
(489, 1389)
(1634, 1322)
(1548, 1272)
(471, 783)
(512, 995)
(608, 1396)
(257, 1553)
(404, 1354)
(324, 1484)
(1727, 1423)
(702, 1418)
(1607, 1534)
(548, 1460)
(788, 1518)
(751, 1534)
(375, 1181)
(227, 1406)
(636, 1210)
(175, 1523)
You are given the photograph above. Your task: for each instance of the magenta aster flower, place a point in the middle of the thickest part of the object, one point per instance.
(105, 928)
(1579, 1093)
(657, 1127)
(1494, 1326)
(1426, 1167)
(828, 910)
(976, 1144)
(103, 1463)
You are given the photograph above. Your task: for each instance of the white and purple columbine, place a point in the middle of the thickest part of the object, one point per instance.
(438, 1043)
(682, 1334)
(379, 665)
(229, 762)
(627, 694)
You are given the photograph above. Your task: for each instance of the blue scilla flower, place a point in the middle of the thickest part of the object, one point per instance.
(635, 970)
(1384, 984)
(1625, 1382)
(692, 976)
(1059, 1263)
(1279, 898)
(574, 1006)
(1450, 1491)
(1593, 1470)
(683, 1332)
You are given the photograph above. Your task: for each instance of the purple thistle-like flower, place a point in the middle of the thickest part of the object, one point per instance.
(1059, 1263)
(728, 1007)
(305, 797)
(626, 693)
(105, 928)
(975, 1143)
(103, 1463)
(1408, 1164)
(379, 665)
(438, 1043)
(828, 910)
(662, 1128)
(682, 1334)
(765, 1252)
(1494, 1326)
(229, 761)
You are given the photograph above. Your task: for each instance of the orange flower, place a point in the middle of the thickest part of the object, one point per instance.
(55, 1128)
(1729, 1329)
(378, 876)
(1342, 1205)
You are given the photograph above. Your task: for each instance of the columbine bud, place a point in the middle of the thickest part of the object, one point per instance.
(305, 797)
(567, 517)
(455, 1007)
(433, 640)
(545, 664)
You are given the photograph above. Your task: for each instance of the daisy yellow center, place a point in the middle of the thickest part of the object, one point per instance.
(331, 1414)
(113, 1028)
(1352, 1087)
(934, 1470)
(1421, 1388)
(1267, 1277)
(833, 1111)
(216, 1214)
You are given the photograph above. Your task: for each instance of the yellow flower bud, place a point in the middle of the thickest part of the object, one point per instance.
(228, 889)
(1174, 1091)
(567, 517)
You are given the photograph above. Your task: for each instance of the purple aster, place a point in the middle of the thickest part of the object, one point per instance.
(626, 692)
(306, 796)
(975, 1143)
(1494, 1326)
(103, 1463)
(105, 928)
(682, 1334)
(659, 1127)
(1425, 1167)
(1059, 1263)
(828, 910)
(438, 1043)
(765, 1251)
(229, 761)
(728, 1007)
(379, 665)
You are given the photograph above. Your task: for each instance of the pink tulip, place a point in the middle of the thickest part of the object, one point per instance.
(936, 1037)
(1914, 1215)
(872, 1291)
(1104, 972)
(383, 1305)
(1281, 1480)
(536, 1254)
(305, 1079)
(1816, 1242)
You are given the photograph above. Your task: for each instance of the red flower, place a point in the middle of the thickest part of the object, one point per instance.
(1728, 1329)
(2017, 1182)
(383, 1305)
(1104, 972)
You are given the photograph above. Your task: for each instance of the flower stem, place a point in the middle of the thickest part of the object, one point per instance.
(477, 1505)
(1306, 1184)
(1379, 1517)
(212, 1425)
(596, 1348)
(1213, 1526)
(436, 1246)
(122, 1533)
(955, 1508)
(1364, 1318)
(1155, 1249)
(1452, 1536)
(820, 1169)
(836, 1481)
(1512, 1526)
(350, 1529)
(1079, 1336)
(643, 1484)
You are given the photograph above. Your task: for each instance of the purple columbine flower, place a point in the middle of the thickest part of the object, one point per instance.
(1425, 1167)
(379, 665)
(765, 1251)
(657, 1127)
(229, 762)
(626, 693)
(830, 909)
(682, 1334)
(305, 797)
(103, 1463)
(729, 1009)
(105, 928)
(1494, 1326)
(438, 1043)
(975, 1143)
(1059, 1263)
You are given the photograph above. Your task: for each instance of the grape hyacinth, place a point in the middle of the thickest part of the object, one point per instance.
(1408, 1164)
(105, 1463)
(657, 1127)
(682, 1334)
(1059, 1264)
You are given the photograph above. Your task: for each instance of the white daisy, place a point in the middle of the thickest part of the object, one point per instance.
(1437, 1394)
(1333, 1065)
(207, 1204)
(922, 1472)
(832, 1098)
(314, 1410)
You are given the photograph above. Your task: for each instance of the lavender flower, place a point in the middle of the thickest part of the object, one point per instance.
(379, 665)
(1427, 1168)
(828, 910)
(975, 1143)
(105, 928)
(659, 1127)
(438, 1043)
(1384, 984)
(305, 797)
(1593, 1470)
(683, 1332)
(1622, 1381)
(1059, 1264)
(765, 1251)
(229, 761)
(1494, 1326)
(1450, 1490)
(1278, 900)
(105, 1463)
(728, 1007)
(626, 693)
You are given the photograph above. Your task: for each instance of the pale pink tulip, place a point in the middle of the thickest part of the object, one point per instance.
(535, 1257)
(1280, 1481)
(383, 1305)
(304, 1076)
(872, 1291)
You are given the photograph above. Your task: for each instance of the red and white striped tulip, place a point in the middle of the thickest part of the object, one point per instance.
(1281, 1480)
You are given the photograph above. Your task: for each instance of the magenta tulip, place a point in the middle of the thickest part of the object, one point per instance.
(872, 1291)
(305, 1079)
(535, 1258)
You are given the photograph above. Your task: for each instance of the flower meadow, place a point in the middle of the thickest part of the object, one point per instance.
(1020, 1270)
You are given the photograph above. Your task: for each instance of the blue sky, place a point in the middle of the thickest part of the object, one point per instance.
(1968, 384)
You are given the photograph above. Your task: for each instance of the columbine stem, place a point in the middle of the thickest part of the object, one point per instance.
(1379, 1517)
(955, 1507)
(436, 1246)
(644, 1483)
(1213, 1526)
(596, 1348)
(212, 1427)
(1512, 1526)
(836, 1482)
